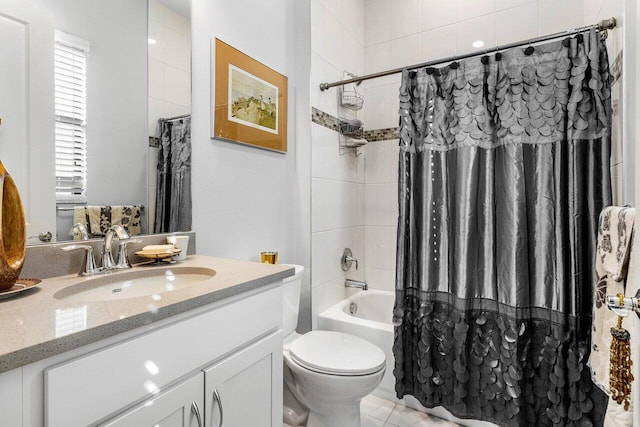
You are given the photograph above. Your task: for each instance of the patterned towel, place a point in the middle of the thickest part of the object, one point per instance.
(98, 219)
(615, 237)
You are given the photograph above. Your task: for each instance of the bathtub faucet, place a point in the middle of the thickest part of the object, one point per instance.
(350, 283)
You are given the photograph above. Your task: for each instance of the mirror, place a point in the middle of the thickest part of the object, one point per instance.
(137, 71)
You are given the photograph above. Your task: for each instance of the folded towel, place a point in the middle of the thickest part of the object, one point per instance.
(98, 219)
(615, 237)
(616, 226)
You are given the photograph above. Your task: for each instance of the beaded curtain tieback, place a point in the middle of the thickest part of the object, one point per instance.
(620, 376)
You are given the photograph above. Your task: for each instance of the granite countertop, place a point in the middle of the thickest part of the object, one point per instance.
(36, 325)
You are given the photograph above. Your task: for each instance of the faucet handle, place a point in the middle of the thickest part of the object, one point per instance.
(88, 262)
(123, 256)
(347, 260)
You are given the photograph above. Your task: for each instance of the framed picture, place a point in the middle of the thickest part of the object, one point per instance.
(250, 101)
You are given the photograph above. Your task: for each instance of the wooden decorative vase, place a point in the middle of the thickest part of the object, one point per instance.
(13, 231)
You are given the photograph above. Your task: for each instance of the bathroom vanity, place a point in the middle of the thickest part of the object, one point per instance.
(205, 354)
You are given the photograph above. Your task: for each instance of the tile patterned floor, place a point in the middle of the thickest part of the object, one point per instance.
(377, 412)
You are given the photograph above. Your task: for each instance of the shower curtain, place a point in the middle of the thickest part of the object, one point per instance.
(503, 170)
(173, 194)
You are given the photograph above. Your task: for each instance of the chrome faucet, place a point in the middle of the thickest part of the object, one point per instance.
(79, 229)
(350, 283)
(89, 266)
(107, 257)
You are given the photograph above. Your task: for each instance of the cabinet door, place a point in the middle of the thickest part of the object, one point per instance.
(245, 389)
(179, 406)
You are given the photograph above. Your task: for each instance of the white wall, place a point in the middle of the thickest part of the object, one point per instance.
(414, 31)
(246, 200)
(169, 80)
(337, 44)
(116, 97)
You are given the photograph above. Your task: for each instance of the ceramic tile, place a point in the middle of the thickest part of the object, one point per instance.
(518, 23)
(326, 160)
(439, 43)
(156, 111)
(437, 13)
(333, 35)
(317, 27)
(477, 29)
(380, 278)
(406, 17)
(351, 15)
(559, 15)
(402, 416)
(323, 71)
(381, 204)
(508, 4)
(609, 8)
(381, 247)
(592, 9)
(177, 51)
(380, 107)
(327, 248)
(172, 110)
(177, 86)
(369, 421)
(156, 32)
(155, 10)
(176, 22)
(406, 51)
(350, 54)
(381, 162)
(468, 9)
(377, 25)
(156, 78)
(333, 204)
(377, 57)
(377, 408)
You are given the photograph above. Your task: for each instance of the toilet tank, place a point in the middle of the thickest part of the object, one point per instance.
(291, 299)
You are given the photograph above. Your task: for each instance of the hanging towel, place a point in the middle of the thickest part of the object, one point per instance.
(98, 219)
(613, 259)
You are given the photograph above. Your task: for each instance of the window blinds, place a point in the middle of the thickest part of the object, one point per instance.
(71, 115)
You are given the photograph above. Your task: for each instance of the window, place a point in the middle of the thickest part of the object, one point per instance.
(71, 114)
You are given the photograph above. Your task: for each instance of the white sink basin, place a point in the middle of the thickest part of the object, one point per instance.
(135, 283)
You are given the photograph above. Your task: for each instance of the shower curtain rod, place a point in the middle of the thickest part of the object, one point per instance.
(605, 24)
(184, 116)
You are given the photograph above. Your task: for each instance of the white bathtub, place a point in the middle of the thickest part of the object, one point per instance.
(371, 320)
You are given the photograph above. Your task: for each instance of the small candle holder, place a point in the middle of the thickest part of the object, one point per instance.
(269, 257)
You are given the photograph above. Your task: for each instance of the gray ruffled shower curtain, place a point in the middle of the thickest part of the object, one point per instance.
(173, 194)
(503, 170)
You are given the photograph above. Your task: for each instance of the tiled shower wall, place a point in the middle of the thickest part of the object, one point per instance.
(407, 32)
(337, 44)
(354, 199)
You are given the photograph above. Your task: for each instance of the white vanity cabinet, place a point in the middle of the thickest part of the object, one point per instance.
(231, 349)
(240, 390)
(179, 406)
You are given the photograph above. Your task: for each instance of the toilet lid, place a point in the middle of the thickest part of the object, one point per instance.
(337, 353)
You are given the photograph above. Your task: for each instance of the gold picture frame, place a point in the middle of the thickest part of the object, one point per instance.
(250, 101)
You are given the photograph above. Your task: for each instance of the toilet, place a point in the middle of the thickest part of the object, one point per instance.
(326, 373)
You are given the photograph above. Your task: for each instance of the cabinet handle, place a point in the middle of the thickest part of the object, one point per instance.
(196, 412)
(218, 400)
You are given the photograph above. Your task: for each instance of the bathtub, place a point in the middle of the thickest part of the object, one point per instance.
(368, 314)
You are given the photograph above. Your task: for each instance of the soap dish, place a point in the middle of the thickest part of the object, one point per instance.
(20, 286)
(159, 257)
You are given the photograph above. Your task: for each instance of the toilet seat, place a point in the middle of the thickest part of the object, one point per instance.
(336, 353)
